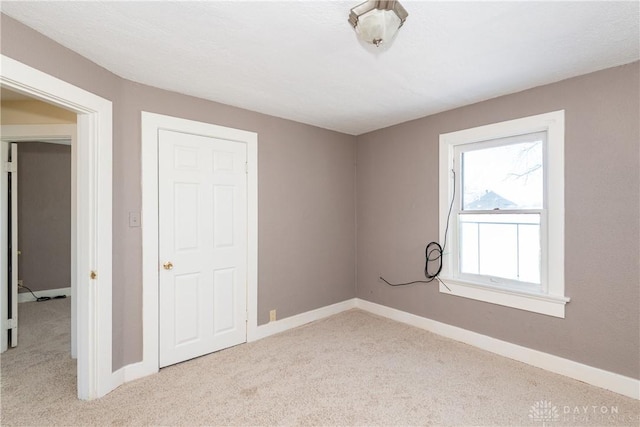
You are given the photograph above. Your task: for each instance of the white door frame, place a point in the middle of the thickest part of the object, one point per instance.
(64, 134)
(93, 174)
(4, 253)
(151, 124)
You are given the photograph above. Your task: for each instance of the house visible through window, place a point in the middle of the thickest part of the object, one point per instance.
(505, 183)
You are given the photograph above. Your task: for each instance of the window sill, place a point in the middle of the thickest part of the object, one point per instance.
(551, 305)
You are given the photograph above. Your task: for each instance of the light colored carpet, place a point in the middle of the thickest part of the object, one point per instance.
(350, 369)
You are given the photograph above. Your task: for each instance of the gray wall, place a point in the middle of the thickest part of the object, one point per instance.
(397, 183)
(306, 203)
(306, 191)
(44, 215)
(307, 200)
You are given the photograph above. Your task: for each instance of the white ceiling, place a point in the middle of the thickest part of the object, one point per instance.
(300, 60)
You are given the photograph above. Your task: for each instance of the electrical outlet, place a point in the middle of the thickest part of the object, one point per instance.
(272, 316)
(20, 283)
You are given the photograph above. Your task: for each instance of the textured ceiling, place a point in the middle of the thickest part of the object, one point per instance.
(300, 60)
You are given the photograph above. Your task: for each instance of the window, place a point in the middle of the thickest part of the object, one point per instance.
(502, 195)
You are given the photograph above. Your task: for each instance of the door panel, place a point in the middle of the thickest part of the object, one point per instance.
(186, 297)
(223, 226)
(203, 234)
(223, 283)
(185, 222)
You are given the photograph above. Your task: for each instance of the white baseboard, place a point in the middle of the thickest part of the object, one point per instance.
(141, 369)
(287, 323)
(27, 297)
(130, 372)
(598, 377)
(137, 370)
(595, 376)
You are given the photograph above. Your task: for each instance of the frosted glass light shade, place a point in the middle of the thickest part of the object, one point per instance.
(377, 22)
(378, 26)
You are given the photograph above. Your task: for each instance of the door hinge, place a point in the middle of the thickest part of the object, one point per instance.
(246, 167)
(9, 167)
(10, 323)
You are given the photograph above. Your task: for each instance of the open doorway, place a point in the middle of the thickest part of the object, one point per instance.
(92, 169)
(40, 254)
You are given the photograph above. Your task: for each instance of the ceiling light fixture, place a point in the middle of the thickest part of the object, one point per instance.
(377, 22)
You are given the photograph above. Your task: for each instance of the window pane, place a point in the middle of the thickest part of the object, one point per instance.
(469, 248)
(504, 177)
(501, 245)
(529, 250)
(498, 250)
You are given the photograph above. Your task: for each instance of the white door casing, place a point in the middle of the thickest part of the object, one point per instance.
(93, 218)
(9, 243)
(4, 244)
(14, 245)
(152, 124)
(202, 184)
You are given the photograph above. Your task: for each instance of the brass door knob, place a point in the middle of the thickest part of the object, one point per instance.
(167, 265)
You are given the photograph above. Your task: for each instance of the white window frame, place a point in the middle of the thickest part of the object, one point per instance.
(550, 300)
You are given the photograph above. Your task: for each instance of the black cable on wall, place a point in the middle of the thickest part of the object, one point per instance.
(433, 252)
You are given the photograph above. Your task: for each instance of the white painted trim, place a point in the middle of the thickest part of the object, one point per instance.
(14, 245)
(94, 203)
(553, 239)
(52, 133)
(150, 245)
(151, 123)
(4, 246)
(549, 305)
(598, 377)
(136, 370)
(65, 134)
(27, 297)
(141, 369)
(252, 238)
(287, 323)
